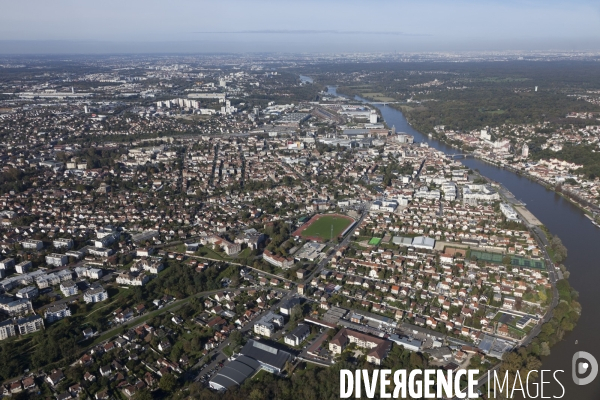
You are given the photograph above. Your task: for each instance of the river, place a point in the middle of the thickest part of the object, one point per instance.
(578, 235)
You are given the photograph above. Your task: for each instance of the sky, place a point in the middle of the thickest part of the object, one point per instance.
(326, 26)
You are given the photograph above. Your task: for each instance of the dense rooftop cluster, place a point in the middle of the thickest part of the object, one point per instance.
(151, 222)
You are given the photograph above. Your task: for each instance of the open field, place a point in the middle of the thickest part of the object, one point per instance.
(376, 96)
(318, 228)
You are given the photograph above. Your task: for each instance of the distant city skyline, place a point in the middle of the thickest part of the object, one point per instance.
(69, 26)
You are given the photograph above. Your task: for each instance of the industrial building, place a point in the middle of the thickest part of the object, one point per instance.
(253, 357)
(422, 242)
(234, 373)
(408, 343)
(270, 359)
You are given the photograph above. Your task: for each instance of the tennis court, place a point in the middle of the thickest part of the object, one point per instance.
(516, 261)
(485, 256)
(527, 263)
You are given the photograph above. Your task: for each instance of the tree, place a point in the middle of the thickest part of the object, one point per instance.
(256, 394)
(560, 251)
(296, 313)
(331, 333)
(544, 349)
(288, 367)
(143, 394)
(176, 352)
(236, 338)
(416, 360)
(167, 383)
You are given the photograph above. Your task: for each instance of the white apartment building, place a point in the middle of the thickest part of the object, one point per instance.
(23, 267)
(28, 292)
(267, 324)
(16, 308)
(509, 212)
(7, 263)
(474, 193)
(57, 312)
(30, 324)
(95, 295)
(7, 329)
(63, 243)
(132, 279)
(297, 336)
(32, 244)
(69, 288)
(57, 260)
(277, 261)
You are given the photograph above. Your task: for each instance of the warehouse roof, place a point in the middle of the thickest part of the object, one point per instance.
(234, 373)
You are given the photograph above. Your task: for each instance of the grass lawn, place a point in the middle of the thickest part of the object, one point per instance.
(180, 248)
(321, 228)
(244, 253)
(260, 375)
(207, 252)
(228, 351)
(113, 297)
(528, 328)
(516, 331)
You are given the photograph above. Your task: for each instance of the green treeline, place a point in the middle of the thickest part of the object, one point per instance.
(470, 109)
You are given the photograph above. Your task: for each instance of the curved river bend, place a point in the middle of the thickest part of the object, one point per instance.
(578, 235)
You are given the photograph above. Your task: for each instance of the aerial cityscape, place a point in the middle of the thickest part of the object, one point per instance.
(250, 224)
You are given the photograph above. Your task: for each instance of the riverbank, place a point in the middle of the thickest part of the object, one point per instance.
(584, 205)
(588, 209)
(578, 235)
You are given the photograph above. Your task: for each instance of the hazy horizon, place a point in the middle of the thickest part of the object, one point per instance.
(134, 26)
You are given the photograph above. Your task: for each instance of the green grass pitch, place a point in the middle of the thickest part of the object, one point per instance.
(321, 228)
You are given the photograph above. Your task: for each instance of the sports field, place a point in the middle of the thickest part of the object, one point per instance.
(374, 241)
(319, 227)
(483, 256)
